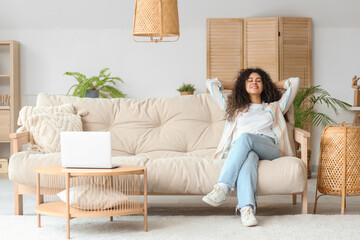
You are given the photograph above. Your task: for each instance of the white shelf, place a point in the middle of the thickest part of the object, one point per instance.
(354, 108)
(4, 107)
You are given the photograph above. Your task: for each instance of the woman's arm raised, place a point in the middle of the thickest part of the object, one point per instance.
(280, 84)
(292, 86)
(215, 87)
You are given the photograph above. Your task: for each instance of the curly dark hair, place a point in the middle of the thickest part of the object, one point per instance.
(239, 98)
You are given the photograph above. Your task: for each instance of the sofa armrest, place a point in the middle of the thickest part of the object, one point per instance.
(19, 139)
(301, 136)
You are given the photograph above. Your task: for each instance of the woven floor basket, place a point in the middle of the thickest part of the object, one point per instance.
(339, 160)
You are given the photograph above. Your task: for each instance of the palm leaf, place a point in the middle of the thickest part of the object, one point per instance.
(304, 103)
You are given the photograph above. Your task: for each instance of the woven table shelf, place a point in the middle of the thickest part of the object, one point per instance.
(339, 163)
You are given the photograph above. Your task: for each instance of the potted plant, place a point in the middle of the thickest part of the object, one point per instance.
(186, 89)
(306, 115)
(95, 86)
(304, 107)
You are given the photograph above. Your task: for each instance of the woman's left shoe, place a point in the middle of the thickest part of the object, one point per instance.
(215, 197)
(248, 218)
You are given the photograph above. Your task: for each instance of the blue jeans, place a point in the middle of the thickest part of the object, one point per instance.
(240, 166)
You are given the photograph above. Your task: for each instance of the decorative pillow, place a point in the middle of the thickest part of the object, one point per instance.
(28, 111)
(45, 130)
(86, 198)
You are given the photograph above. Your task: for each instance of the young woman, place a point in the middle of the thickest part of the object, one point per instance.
(255, 129)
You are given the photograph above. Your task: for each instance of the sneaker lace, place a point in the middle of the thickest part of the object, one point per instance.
(246, 213)
(216, 192)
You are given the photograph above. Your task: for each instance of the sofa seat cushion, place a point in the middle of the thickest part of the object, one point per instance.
(194, 175)
(203, 153)
(185, 175)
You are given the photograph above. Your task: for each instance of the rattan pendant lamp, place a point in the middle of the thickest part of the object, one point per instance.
(156, 21)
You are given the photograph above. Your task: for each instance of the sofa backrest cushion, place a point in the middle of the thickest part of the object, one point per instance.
(181, 124)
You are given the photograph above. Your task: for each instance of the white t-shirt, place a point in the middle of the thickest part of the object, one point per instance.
(255, 120)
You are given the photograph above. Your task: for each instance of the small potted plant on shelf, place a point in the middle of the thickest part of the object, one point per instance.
(186, 89)
(95, 86)
(307, 116)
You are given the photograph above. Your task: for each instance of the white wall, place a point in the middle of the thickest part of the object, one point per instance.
(87, 35)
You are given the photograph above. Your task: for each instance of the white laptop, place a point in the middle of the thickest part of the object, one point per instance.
(86, 149)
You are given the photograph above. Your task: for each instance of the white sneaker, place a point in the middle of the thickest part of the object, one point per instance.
(215, 197)
(247, 217)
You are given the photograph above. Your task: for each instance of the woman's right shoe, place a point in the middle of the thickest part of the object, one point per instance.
(215, 197)
(248, 218)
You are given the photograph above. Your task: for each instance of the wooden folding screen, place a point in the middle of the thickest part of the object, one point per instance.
(296, 49)
(224, 49)
(261, 45)
(281, 46)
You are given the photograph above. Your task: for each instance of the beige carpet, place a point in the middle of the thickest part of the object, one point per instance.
(184, 227)
(187, 217)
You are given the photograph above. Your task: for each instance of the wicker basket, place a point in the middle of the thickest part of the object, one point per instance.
(339, 165)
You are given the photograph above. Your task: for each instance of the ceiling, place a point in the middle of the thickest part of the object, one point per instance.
(16, 14)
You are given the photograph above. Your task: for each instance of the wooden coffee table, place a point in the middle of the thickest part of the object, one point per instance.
(91, 192)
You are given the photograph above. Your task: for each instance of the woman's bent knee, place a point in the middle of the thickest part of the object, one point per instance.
(245, 138)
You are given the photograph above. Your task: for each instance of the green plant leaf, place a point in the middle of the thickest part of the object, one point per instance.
(304, 110)
(186, 88)
(113, 92)
(78, 76)
(95, 83)
(102, 71)
(116, 78)
(71, 88)
(102, 95)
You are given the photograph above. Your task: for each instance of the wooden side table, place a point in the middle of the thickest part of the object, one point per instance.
(91, 192)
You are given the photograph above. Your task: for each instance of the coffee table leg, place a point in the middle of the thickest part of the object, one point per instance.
(67, 206)
(145, 200)
(38, 197)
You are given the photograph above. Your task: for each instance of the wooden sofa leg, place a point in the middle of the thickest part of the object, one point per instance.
(294, 199)
(18, 200)
(305, 200)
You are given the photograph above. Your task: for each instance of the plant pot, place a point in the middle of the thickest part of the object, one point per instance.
(92, 94)
(186, 93)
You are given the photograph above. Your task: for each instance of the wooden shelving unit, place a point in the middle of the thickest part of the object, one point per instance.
(10, 85)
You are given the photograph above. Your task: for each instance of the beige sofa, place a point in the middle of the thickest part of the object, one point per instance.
(175, 138)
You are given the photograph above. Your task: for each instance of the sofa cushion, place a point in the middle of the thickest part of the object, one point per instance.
(86, 198)
(177, 124)
(187, 174)
(28, 111)
(45, 129)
